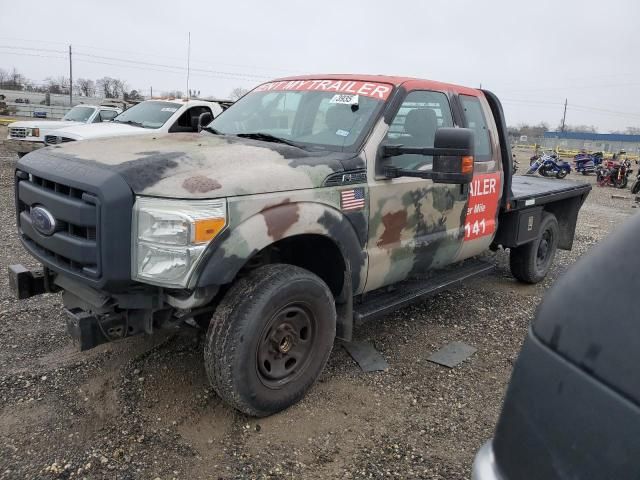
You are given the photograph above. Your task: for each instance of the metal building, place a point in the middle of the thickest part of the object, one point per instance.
(593, 142)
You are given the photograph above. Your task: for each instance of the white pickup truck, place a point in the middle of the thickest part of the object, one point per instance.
(148, 117)
(26, 136)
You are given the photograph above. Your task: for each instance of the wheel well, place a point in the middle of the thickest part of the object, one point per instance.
(315, 253)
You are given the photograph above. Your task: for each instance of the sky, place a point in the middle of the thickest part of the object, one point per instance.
(533, 55)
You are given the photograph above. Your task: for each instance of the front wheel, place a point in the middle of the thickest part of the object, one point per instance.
(622, 183)
(531, 262)
(270, 338)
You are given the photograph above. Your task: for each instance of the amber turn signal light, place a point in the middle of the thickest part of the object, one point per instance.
(207, 228)
(467, 164)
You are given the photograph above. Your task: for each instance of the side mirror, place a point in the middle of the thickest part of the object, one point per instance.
(204, 119)
(452, 157)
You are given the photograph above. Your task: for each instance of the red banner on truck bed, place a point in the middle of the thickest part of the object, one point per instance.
(380, 91)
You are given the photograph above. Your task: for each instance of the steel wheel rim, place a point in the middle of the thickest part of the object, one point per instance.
(286, 345)
(544, 249)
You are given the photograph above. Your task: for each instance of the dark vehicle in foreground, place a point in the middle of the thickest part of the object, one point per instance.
(281, 224)
(572, 409)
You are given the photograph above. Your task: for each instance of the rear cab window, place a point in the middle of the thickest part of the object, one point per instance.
(476, 121)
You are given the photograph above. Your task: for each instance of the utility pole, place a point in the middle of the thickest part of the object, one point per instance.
(188, 63)
(564, 116)
(152, 93)
(70, 79)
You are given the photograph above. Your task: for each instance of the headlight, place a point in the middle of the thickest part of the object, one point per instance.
(33, 132)
(170, 236)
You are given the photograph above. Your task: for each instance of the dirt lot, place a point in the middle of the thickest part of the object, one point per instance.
(142, 408)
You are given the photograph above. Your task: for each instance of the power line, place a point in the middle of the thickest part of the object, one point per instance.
(30, 55)
(144, 54)
(176, 67)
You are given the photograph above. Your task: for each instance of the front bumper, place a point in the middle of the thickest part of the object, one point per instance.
(484, 465)
(22, 146)
(95, 316)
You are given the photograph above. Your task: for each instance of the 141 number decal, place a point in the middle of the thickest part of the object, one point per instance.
(478, 229)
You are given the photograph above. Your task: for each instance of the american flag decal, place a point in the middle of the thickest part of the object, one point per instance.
(352, 199)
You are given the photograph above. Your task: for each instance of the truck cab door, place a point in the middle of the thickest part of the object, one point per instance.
(486, 188)
(414, 224)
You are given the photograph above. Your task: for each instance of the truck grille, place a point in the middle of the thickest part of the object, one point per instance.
(17, 132)
(56, 140)
(74, 216)
(73, 246)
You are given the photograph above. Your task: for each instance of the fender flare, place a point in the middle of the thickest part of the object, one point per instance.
(231, 250)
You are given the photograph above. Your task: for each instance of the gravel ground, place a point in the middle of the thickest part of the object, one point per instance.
(142, 408)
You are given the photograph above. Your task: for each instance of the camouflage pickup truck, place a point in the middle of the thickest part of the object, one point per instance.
(312, 204)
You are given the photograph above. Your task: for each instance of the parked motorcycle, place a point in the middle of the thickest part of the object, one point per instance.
(614, 174)
(586, 163)
(635, 186)
(548, 165)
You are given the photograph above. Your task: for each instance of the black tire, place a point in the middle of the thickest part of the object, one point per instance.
(623, 182)
(584, 172)
(635, 187)
(531, 262)
(561, 173)
(21, 154)
(270, 338)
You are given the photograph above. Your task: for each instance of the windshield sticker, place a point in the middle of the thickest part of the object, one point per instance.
(343, 99)
(342, 133)
(169, 109)
(379, 91)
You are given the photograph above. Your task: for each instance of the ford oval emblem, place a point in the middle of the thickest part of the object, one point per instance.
(43, 221)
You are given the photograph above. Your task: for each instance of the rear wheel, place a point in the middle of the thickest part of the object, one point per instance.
(635, 188)
(270, 338)
(531, 262)
(562, 173)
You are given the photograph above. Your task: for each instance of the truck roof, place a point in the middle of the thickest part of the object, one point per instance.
(394, 80)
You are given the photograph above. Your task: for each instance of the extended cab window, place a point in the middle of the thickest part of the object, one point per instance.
(107, 115)
(415, 125)
(188, 121)
(477, 122)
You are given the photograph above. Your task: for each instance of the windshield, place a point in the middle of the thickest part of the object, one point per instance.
(79, 114)
(331, 114)
(148, 114)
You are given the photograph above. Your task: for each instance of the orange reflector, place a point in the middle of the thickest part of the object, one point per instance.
(207, 228)
(467, 164)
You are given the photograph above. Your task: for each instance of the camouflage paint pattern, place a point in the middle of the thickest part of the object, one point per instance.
(274, 191)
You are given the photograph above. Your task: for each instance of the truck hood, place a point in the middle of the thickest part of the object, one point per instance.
(102, 130)
(44, 125)
(192, 165)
